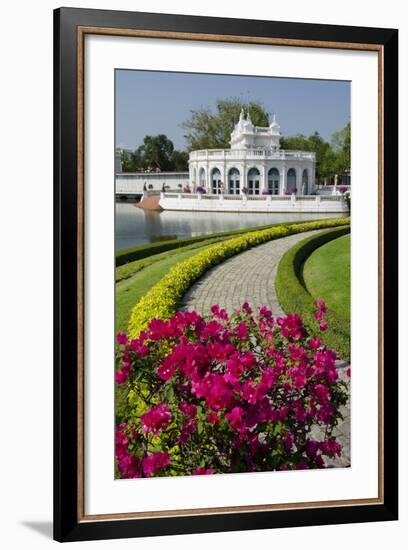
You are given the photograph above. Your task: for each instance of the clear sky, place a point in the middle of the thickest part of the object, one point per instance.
(151, 103)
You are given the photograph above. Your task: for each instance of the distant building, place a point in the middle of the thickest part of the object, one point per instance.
(118, 158)
(255, 162)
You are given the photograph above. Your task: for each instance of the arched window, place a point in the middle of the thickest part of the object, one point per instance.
(291, 183)
(273, 181)
(216, 181)
(234, 180)
(254, 179)
(202, 178)
(305, 182)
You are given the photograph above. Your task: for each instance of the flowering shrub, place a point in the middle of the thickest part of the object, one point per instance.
(227, 393)
(342, 189)
(187, 189)
(244, 190)
(201, 189)
(161, 300)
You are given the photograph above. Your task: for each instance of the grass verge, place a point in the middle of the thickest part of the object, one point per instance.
(326, 275)
(130, 289)
(295, 298)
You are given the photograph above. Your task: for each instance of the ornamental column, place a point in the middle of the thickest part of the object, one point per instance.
(282, 180)
(299, 177)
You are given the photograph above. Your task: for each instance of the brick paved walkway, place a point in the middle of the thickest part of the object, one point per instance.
(250, 277)
(247, 277)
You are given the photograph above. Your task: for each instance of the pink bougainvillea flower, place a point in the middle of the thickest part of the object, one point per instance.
(321, 305)
(248, 360)
(188, 428)
(288, 440)
(203, 471)
(314, 343)
(312, 447)
(189, 409)
(323, 326)
(139, 347)
(213, 418)
(246, 307)
(235, 418)
(348, 372)
(249, 392)
(331, 447)
(302, 465)
(265, 312)
(319, 315)
(166, 370)
(156, 419)
(121, 338)
(241, 331)
(291, 326)
(121, 376)
(154, 462)
(321, 393)
(219, 312)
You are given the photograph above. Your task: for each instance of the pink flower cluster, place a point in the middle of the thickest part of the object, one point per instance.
(227, 393)
(320, 313)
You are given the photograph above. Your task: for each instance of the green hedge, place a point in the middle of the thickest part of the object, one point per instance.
(162, 299)
(294, 298)
(149, 249)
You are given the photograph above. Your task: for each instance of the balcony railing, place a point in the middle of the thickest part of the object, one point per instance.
(250, 154)
(270, 198)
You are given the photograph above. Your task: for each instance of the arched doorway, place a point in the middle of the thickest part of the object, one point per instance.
(216, 181)
(234, 180)
(291, 180)
(273, 181)
(305, 182)
(254, 179)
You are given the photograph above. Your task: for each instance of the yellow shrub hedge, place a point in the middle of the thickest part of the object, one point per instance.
(162, 299)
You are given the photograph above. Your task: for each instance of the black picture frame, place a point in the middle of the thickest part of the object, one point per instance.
(67, 333)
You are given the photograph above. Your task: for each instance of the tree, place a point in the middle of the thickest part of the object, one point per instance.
(156, 152)
(127, 162)
(325, 160)
(341, 142)
(179, 161)
(209, 130)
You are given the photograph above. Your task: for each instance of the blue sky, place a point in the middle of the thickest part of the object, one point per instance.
(150, 103)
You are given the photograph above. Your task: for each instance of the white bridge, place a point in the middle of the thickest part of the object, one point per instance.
(133, 184)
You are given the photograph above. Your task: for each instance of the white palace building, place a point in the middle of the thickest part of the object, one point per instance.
(255, 163)
(254, 175)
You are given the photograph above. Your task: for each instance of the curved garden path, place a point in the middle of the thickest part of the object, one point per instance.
(250, 277)
(247, 277)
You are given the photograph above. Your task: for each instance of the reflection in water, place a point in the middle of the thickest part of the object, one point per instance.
(137, 226)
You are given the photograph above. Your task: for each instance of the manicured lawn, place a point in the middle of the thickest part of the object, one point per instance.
(129, 269)
(131, 289)
(326, 274)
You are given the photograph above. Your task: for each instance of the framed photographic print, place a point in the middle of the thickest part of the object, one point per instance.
(225, 274)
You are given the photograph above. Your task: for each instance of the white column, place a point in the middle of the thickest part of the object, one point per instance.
(312, 177)
(299, 171)
(282, 180)
(264, 179)
(244, 182)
